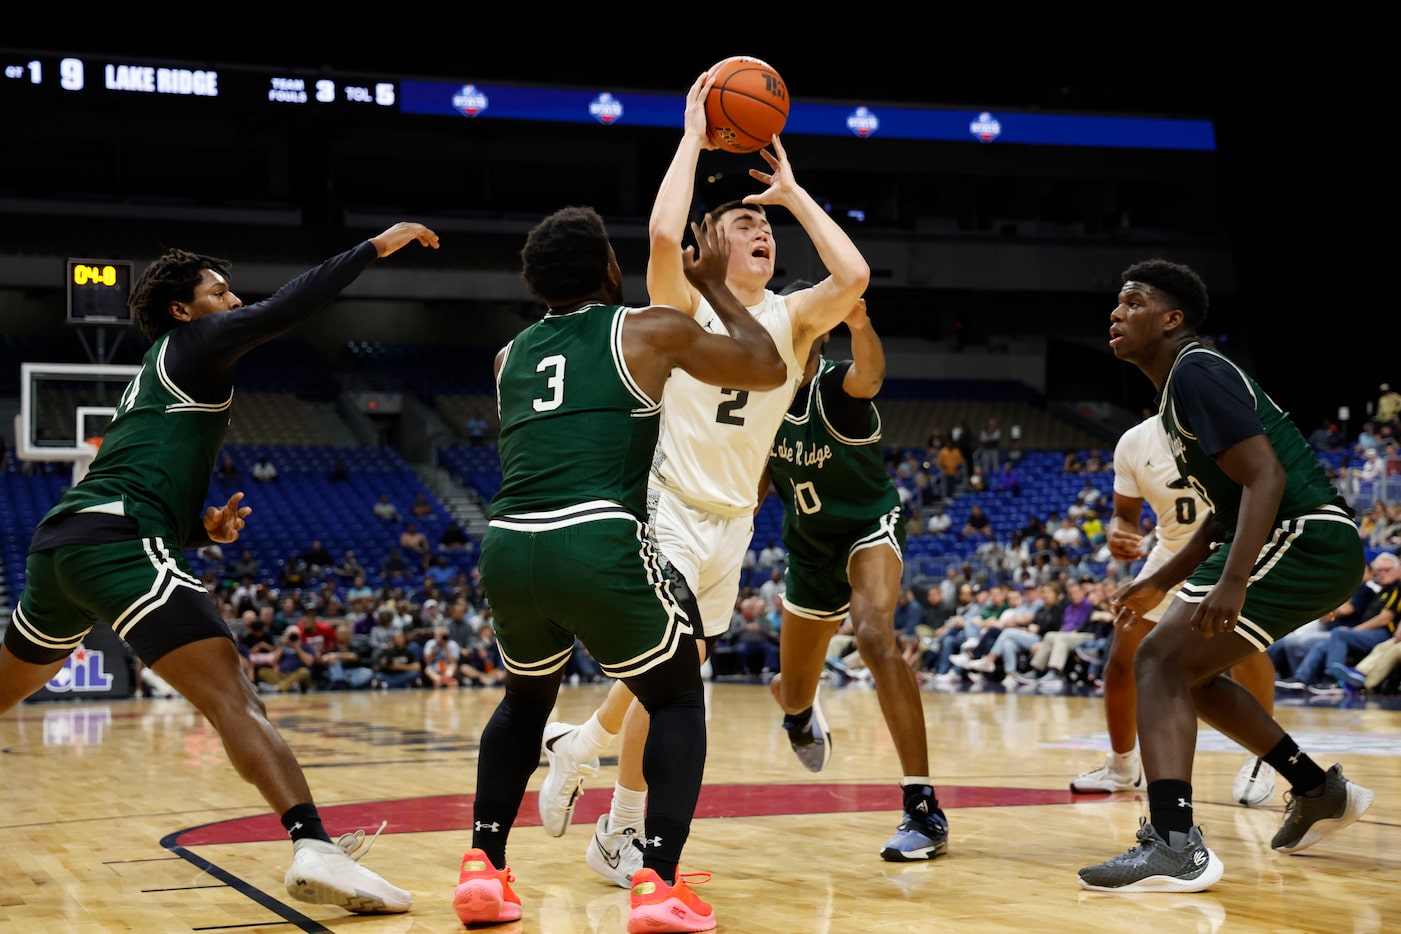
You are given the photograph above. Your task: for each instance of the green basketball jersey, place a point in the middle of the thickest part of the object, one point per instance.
(156, 457)
(828, 482)
(1219, 398)
(575, 426)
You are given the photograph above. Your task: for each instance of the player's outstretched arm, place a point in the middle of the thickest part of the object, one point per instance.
(402, 234)
(866, 374)
(666, 228)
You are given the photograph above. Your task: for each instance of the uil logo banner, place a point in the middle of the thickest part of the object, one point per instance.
(606, 109)
(85, 671)
(469, 101)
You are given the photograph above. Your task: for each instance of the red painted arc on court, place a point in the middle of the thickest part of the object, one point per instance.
(454, 812)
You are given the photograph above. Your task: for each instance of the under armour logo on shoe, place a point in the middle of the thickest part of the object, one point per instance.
(1294, 759)
(494, 827)
(645, 842)
(1183, 803)
(295, 827)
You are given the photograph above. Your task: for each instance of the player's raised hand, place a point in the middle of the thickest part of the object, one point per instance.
(780, 179)
(709, 259)
(223, 523)
(694, 122)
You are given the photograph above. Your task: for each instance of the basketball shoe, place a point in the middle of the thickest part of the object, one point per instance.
(614, 855)
(919, 836)
(1106, 779)
(1254, 784)
(483, 894)
(810, 739)
(658, 907)
(1155, 866)
(1308, 820)
(325, 873)
(564, 782)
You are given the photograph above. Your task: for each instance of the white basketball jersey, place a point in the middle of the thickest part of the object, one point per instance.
(714, 442)
(1144, 468)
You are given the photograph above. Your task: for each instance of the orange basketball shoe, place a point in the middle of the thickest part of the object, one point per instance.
(484, 893)
(658, 908)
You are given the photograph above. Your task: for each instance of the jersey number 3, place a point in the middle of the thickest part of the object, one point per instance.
(553, 365)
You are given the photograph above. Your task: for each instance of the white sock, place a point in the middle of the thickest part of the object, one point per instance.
(591, 739)
(627, 810)
(916, 780)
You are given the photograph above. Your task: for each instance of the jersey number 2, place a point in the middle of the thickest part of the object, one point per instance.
(728, 412)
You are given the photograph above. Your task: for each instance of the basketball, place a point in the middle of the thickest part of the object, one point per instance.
(747, 105)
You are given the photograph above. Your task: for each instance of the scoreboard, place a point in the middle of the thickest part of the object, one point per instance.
(56, 79)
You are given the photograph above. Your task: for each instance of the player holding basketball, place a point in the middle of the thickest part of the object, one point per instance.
(580, 396)
(1278, 549)
(110, 552)
(845, 543)
(713, 447)
(1144, 470)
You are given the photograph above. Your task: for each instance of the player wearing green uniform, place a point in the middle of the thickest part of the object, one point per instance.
(111, 551)
(1279, 548)
(845, 545)
(568, 554)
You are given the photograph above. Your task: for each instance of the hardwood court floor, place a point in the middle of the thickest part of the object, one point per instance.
(125, 817)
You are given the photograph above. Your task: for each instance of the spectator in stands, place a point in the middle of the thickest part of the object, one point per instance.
(317, 558)
(395, 567)
(1056, 649)
(1356, 639)
(245, 566)
(1327, 437)
(964, 441)
(1013, 451)
(381, 635)
(477, 429)
(350, 566)
(292, 668)
(413, 541)
(339, 473)
(441, 656)
(772, 555)
(1092, 527)
(951, 466)
(255, 645)
(1009, 480)
(1388, 406)
(1366, 439)
(1094, 462)
(1072, 463)
(754, 640)
(988, 455)
(441, 573)
(264, 471)
(939, 521)
(978, 525)
(399, 664)
(977, 479)
(454, 537)
(421, 509)
(385, 510)
(228, 470)
(349, 663)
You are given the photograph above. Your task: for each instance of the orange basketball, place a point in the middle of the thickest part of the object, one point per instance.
(747, 105)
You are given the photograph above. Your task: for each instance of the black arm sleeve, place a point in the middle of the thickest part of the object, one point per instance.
(849, 415)
(201, 355)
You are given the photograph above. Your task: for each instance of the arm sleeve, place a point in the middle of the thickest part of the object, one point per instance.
(849, 415)
(201, 356)
(1212, 399)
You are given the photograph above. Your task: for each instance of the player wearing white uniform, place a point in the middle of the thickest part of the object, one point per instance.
(713, 448)
(1144, 470)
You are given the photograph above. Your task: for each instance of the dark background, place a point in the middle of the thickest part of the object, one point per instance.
(1300, 110)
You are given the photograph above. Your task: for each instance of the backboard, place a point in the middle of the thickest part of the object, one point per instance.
(63, 406)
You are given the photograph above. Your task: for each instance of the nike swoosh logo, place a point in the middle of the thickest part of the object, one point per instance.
(612, 859)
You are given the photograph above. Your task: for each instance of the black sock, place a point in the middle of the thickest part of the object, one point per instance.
(797, 720)
(917, 795)
(1170, 807)
(1302, 773)
(303, 822)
